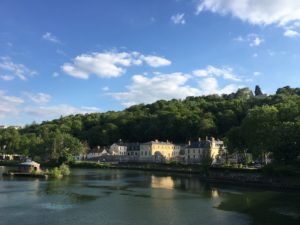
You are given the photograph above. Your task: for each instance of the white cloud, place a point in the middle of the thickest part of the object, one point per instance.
(46, 112)
(256, 73)
(210, 85)
(145, 89)
(109, 64)
(211, 71)
(12, 107)
(148, 90)
(291, 33)
(106, 88)
(55, 74)
(239, 39)
(155, 61)
(255, 55)
(260, 12)
(50, 37)
(17, 70)
(39, 98)
(178, 18)
(7, 77)
(9, 105)
(252, 39)
(256, 41)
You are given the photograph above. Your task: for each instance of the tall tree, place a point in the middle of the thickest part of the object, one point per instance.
(257, 91)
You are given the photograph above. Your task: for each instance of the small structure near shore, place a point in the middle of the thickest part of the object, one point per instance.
(29, 167)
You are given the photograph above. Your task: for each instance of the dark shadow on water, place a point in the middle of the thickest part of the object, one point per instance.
(265, 208)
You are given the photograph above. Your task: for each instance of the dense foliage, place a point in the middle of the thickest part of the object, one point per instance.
(258, 124)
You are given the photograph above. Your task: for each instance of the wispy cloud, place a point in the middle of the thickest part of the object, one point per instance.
(55, 111)
(253, 40)
(16, 70)
(7, 77)
(9, 105)
(106, 88)
(38, 98)
(256, 73)
(110, 64)
(36, 107)
(178, 18)
(211, 71)
(50, 37)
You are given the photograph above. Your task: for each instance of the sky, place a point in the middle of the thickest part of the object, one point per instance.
(62, 57)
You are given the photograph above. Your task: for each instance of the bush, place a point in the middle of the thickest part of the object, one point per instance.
(56, 173)
(64, 169)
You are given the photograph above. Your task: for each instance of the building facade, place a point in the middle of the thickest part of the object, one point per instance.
(157, 151)
(195, 151)
(118, 149)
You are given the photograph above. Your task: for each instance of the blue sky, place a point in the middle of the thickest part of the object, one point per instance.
(67, 57)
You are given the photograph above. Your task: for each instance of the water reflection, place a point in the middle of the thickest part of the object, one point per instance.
(138, 197)
(162, 182)
(215, 193)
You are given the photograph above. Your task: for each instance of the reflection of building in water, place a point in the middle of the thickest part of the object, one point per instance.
(215, 193)
(162, 182)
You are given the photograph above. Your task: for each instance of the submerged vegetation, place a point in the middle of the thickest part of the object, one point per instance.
(264, 125)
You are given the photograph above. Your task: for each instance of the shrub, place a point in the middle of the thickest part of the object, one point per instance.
(64, 169)
(56, 173)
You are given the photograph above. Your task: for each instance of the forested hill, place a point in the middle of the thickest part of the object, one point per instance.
(245, 120)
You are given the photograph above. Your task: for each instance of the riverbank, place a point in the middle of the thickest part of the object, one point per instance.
(233, 176)
(266, 178)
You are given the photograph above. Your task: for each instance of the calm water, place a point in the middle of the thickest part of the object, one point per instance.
(131, 197)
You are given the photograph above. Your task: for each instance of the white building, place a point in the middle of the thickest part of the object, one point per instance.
(159, 151)
(194, 151)
(118, 149)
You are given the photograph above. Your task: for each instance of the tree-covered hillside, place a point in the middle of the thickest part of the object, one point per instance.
(256, 123)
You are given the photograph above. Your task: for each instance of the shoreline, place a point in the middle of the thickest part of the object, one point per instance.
(231, 176)
(216, 175)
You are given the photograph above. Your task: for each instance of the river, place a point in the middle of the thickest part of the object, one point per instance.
(127, 197)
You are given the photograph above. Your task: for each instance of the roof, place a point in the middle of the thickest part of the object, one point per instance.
(133, 146)
(30, 163)
(157, 142)
(200, 144)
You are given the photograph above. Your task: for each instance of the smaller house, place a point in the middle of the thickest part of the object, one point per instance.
(29, 167)
(118, 149)
(195, 151)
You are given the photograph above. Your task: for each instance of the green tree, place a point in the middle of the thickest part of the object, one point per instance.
(258, 129)
(257, 91)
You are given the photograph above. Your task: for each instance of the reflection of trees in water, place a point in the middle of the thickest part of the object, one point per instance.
(264, 207)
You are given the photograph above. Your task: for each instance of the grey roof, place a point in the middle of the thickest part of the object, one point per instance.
(133, 146)
(200, 144)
